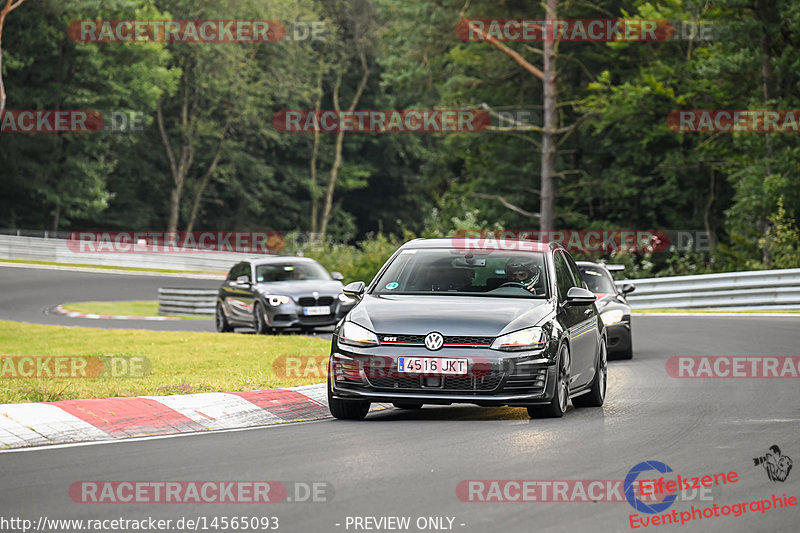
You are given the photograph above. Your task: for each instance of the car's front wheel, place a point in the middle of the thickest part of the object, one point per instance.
(221, 321)
(347, 409)
(558, 405)
(597, 394)
(260, 320)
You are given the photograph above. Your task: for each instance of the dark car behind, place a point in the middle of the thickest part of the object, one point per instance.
(613, 307)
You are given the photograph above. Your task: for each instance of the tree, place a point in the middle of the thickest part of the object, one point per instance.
(10, 6)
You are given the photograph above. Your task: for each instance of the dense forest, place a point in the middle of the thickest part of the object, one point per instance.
(192, 144)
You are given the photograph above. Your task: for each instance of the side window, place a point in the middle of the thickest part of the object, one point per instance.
(564, 279)
(245, 271)
(576, 275)
(233, 273)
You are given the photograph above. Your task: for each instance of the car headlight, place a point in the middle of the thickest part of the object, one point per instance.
(524, 339)
(277, 299)
(355, 335)
(612, 317)
(345, 299)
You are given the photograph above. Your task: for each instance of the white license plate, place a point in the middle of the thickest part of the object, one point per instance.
(317, 310)
(437, 366)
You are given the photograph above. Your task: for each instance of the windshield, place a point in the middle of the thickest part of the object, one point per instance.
(290, 272)
(597, 280)
(454, 272)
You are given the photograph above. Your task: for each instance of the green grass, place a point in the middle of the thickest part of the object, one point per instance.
(645, 311)
(107, 267)
(134, 308)
(181, 362)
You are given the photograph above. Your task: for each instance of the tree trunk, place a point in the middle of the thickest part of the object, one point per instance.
(178, 169)
(198, 197)
(8, 8)
(547, 198)
(337, 161)
(314, 153)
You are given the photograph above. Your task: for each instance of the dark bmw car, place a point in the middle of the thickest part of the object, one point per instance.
(455, 321)
(273, 293)
(612, 305)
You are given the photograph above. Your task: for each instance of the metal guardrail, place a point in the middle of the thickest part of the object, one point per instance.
(187, 301)
(751, 290)
(57, 250)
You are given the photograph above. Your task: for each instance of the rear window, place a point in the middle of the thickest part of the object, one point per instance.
(456, 272)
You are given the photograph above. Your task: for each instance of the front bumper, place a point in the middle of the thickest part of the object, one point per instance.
(291, 315)
(493, 378)
(619, 335)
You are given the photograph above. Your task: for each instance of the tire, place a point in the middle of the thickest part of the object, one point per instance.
(347, 410)
(259, 320)
(407, 405)
(597, 395)
(558, 405)
(223, 326)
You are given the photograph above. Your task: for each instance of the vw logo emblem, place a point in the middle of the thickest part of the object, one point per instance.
(434, 341)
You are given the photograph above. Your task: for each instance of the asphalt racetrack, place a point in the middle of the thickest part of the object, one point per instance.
(409, 463)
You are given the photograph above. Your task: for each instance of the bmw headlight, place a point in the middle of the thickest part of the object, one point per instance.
(612, 317)
(355, 335)
(277, 299)
(524, 339)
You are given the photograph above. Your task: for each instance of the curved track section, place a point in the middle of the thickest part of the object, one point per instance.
(409, 463)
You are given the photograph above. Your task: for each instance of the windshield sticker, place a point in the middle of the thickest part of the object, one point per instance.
(404, 252)
(392, 285)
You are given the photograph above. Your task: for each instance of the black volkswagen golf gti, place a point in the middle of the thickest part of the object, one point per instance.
(463, 321)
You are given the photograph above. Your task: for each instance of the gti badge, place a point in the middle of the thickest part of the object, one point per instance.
(434, 341)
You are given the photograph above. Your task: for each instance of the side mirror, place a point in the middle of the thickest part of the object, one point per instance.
(628, 288)
(337, 276)
(354, 290)
(242, 280)
(578, 296)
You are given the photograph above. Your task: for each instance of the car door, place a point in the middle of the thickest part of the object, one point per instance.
(240, 297)
(580, 321)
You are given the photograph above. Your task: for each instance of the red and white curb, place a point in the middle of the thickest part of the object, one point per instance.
(33, 424)
(58, 310)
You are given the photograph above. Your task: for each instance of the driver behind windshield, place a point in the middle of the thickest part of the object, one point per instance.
(526, 276)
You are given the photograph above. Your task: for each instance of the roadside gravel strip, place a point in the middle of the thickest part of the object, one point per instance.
(33, 424)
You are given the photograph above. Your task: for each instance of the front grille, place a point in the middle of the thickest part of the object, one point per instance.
(382, 375)
(449, 340)
(526, 381)
(309, 301)
(315, 319)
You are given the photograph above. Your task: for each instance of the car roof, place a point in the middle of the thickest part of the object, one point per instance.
(486, 243)
(271, 259)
